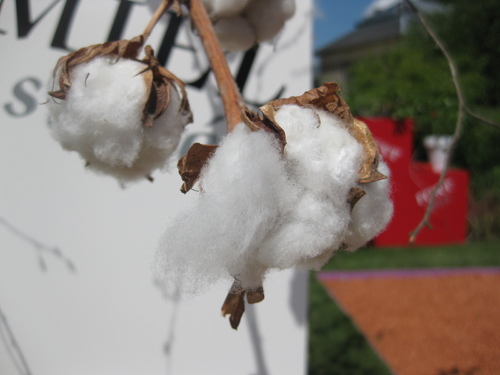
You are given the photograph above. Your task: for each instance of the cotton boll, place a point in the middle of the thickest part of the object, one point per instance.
(241, 197)
(234, 33)
(267, 17)
(372, 212)
(265, 208)
(224, 8)
(323, 159)
(100, 115)
(323, 155)
(101, 119)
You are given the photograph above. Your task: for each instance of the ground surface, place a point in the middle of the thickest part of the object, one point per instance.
(427, 321)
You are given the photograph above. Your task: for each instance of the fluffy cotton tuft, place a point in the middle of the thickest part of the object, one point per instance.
(217, 238)
(224, 8)
(240, 24)
(234, 33)
(101, 119)
(261, 210)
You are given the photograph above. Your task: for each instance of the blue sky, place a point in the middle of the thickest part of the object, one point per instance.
(335, 18)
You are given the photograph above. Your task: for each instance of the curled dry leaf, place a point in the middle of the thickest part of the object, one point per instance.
(158, 79)
(190, 165)
(368, 171)
(255, 295)
(266, 123)
(234, 304)
(327, 98)
(128, 49)
(355, 194)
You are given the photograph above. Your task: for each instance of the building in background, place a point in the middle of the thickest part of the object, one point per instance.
(380, 31)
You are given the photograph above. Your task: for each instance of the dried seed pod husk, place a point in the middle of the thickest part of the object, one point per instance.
(328, 98)
(128, 49)
(191, 164)
(124, 116)
(158, 79)
(355, 194)
(159, 82)
(266, 123)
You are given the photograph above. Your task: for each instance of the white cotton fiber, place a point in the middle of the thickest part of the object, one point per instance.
(224, 8)
(235, 33)
(241, 200)
(240, 24)
(372, 213)
(101, 119)
(262, 209)
(267, 17)
(323, 158)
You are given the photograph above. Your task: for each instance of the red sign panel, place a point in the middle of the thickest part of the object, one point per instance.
(412, 184)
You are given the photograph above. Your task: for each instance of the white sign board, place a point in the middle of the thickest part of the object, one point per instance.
(107, 316)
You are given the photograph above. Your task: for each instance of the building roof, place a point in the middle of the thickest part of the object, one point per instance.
(382, 26)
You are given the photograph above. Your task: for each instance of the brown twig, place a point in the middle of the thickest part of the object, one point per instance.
(458, 125)
(231, 98)
(483, 119)
(162, 8)
(462, 109)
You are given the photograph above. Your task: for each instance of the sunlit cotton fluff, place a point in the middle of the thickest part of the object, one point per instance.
(101, 119)
(261, 210)
(241, 24)
(372, 213)
(241, 201)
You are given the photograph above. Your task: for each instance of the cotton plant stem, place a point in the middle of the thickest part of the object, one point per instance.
(231, 98)
(162, 8)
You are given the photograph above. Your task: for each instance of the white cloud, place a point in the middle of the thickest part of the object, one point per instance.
(379, 5)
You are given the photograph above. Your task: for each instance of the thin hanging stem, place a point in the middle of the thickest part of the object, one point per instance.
(458, 126)
(231, 97)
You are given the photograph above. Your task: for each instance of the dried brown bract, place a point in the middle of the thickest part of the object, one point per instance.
(327, 98)
(190, 165)
(128, 49)
(158, 79)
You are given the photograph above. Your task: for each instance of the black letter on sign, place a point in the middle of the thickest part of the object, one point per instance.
(61, 34)
(169, 38)
(24, 97)
(24, 24)
(120, 20)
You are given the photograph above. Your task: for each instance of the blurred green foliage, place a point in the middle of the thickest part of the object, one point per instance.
(336, 346)
(414, 80)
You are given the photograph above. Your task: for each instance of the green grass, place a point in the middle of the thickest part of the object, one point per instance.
(336, 347)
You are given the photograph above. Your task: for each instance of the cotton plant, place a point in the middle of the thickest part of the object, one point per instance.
(290, 184)
(283, 190)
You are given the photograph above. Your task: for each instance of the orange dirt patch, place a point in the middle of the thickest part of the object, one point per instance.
(425, 322)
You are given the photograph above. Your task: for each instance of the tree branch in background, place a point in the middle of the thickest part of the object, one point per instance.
(40, 247)
(483, 119)
(462, 110)
(12, 346)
